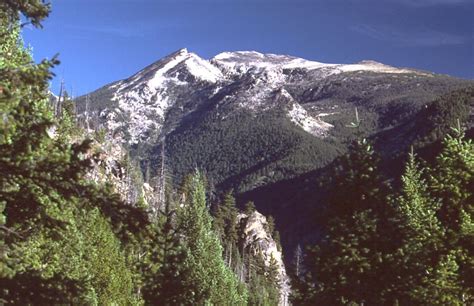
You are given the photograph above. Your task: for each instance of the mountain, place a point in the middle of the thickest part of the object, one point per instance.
(266, 125)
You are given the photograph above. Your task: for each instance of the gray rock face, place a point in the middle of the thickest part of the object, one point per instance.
(136, 109)
(110, 168)
(257, 238)
(183, 97)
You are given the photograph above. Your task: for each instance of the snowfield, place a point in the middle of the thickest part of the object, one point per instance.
(144, 99)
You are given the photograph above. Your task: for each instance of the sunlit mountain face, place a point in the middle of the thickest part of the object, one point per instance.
(255, 121)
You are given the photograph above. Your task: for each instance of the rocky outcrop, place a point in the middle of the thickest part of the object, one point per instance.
(136, 108)
(111, 165)
(256, 237)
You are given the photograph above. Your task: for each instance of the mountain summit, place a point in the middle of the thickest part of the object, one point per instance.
(253, 121)
(247, 79)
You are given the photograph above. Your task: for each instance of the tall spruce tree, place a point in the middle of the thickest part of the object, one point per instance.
(437, 229)
(225, 223)
(421, 235)
(351, 265)
(428, 259)
(210, 280)
(452, 182)
(62, 235)
(262, 280)
(164, 271)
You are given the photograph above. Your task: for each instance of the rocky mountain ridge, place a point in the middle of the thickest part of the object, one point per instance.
(253, 121)
(144, 99)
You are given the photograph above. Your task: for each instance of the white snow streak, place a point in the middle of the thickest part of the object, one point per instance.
(300, 117)
(240, 61)
(202, 69)
(144, 99)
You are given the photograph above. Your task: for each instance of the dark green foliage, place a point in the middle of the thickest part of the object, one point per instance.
(183, 263)
(34, 10)
(31, 288)
(358, 177)
(244, 152)
(58, 242)
(210, 280)
(426, 126)
(452, 182)
(420, 230)
(350, 264)
(427, 259)
(436, 213)
(441, 115)
(262, 281)
(249, 208)
(225, 223)
(163, 268)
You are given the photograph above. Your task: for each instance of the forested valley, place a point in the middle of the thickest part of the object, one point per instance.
(386, 237)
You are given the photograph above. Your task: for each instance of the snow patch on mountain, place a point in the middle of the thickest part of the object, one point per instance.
(145, 97)
(371, 66)
(144, 109)
(202, 69)
(160, 77)
(302, 63)
(301, 118)
(249, 61)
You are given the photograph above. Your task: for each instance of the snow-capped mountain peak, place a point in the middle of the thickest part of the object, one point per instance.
(170, 67)
(245, 80)
(202, 69)
(145, 96)
(243, 61)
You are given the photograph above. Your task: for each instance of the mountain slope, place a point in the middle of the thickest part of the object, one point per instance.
(252, 120)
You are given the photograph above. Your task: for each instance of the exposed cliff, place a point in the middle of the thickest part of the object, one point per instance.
(256, 238)
(112, 166)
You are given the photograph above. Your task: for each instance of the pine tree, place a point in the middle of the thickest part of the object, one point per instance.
(62, 235)
(452, 181)
(351, 264)
(210, 280)
(164, 271)
(249, 208)
(273, 232)
(263, 280)
(441, 283)
(225, 223)
(421, 234)
(273, 281)
(24, 150)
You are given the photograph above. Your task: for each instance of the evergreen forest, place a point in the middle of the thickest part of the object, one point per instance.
(387, 237)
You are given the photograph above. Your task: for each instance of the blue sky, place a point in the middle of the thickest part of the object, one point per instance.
(101, 41)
